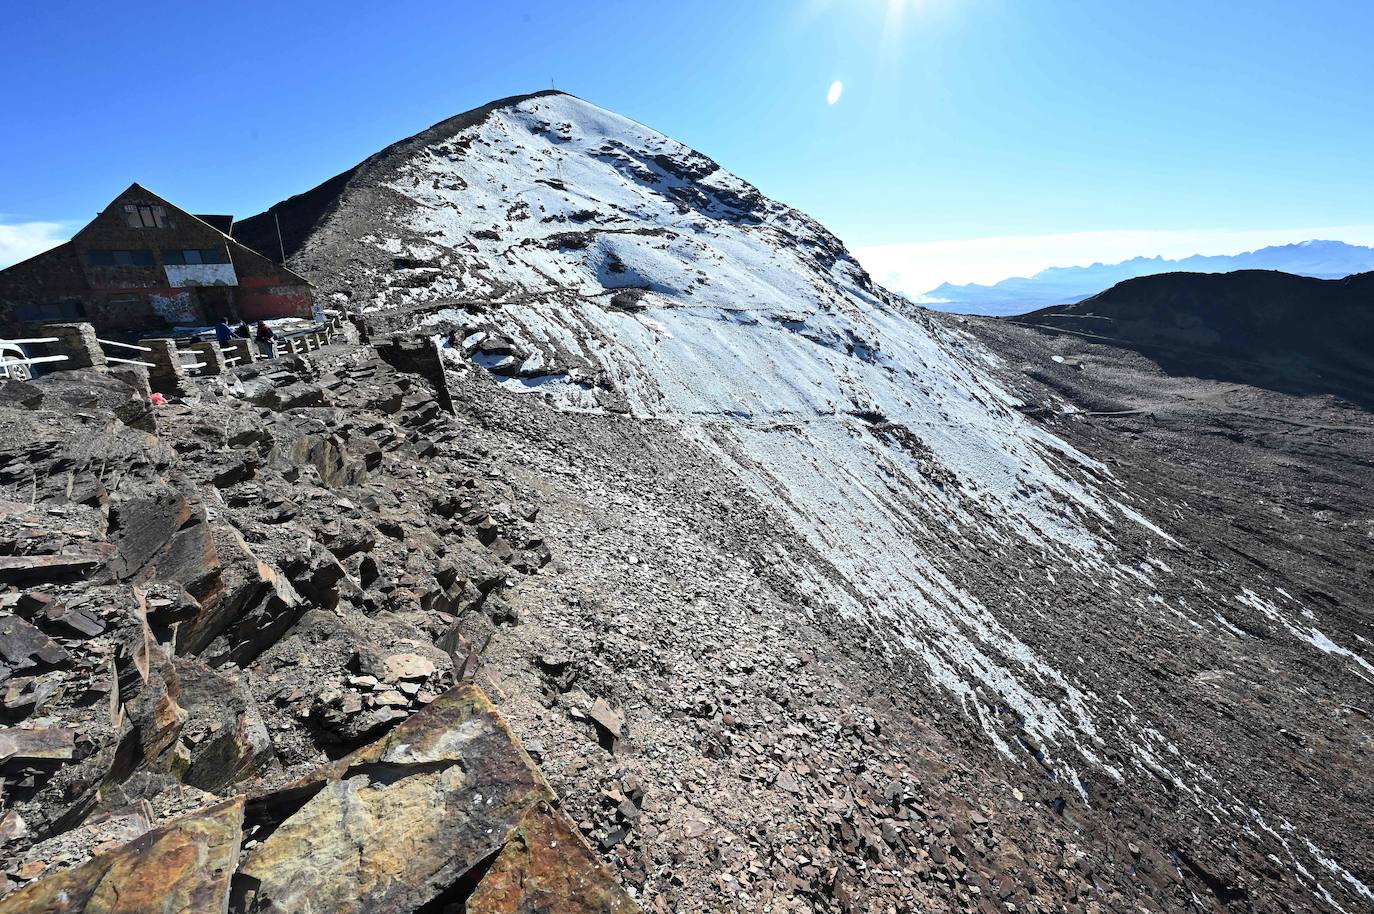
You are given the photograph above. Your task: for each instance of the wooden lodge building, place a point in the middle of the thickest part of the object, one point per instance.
(143, 265)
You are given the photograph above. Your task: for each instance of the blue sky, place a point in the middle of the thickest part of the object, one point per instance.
(972, 139)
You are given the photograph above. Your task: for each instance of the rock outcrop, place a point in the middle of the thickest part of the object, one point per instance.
(237, 650)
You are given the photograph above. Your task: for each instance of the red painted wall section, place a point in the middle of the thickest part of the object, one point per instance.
(260, 297)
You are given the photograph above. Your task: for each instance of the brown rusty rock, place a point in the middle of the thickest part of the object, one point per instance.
(390, 826)
(180, 868)
(24, 745)
(546, 868)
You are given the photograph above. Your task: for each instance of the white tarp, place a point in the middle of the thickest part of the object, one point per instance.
(180, 276)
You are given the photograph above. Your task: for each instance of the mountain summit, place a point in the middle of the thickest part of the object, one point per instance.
(906, 610)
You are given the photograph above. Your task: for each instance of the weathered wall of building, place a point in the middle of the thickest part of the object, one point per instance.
(51, 278)
(259, 298)
(121, 311)
(267, 289)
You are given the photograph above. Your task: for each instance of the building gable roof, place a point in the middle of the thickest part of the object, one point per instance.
(137, 193)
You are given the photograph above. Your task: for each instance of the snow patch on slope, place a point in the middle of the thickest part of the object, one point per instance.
(757, 334)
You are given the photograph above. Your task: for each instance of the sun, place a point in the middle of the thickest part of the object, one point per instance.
(836, 90)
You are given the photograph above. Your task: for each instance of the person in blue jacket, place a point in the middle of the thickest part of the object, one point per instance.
(222, 332)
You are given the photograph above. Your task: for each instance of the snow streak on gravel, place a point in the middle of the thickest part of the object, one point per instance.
(755, 332)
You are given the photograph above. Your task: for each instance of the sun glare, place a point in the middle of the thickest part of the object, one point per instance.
(836, 90)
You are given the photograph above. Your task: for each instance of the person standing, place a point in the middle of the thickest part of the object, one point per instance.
(266, 341)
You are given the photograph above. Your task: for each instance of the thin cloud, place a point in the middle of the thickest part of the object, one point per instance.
(21, 240)
(919, 266)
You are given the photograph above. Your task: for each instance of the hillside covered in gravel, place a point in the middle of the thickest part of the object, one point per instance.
(791, 595)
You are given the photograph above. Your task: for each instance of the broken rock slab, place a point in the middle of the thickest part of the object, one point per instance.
(22, 645)
(49, 744)
(183, 867)
(396, 823)
(546, 868)
(72, 563)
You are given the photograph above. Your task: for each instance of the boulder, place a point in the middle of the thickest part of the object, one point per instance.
(391, 826)
(143, 527)
(51, 744)
(546, 868)
(183, 867)
(228, 738)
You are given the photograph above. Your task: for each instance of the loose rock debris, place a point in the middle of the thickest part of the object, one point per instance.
(222, 685)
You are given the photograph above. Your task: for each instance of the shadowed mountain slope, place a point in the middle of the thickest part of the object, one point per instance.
(1288, 333)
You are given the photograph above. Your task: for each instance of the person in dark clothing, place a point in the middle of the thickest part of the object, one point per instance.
(222, 332)
(242, 331)
(266, 341)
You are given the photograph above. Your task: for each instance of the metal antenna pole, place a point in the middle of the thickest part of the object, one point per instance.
(281, 245)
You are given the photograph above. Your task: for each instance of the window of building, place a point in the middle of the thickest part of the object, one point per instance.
(57, 311)
(133, 258)
(120, 258)
(194, 255)
(140, 215)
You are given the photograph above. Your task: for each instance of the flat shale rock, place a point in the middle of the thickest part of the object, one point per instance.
(545, 868)
(391, 826)
(44, 744)
(180, 868)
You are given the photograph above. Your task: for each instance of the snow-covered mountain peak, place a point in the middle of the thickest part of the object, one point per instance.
(590, 262)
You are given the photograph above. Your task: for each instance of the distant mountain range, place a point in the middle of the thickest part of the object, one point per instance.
(1067, 285)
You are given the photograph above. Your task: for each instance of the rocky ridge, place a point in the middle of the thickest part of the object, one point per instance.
(929, 509)
(848, 606)
(238, 657)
